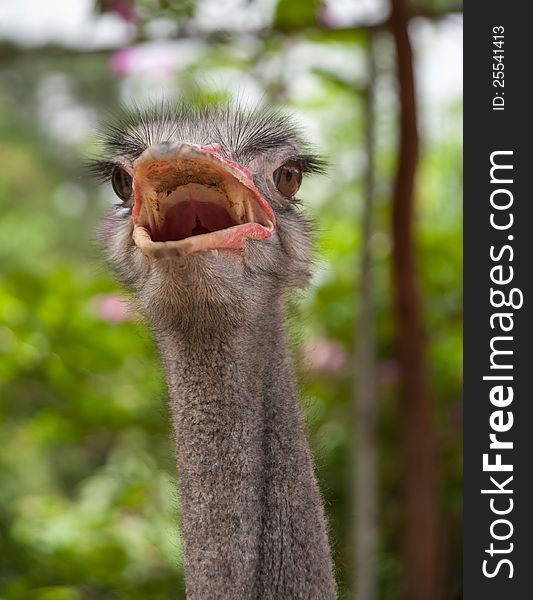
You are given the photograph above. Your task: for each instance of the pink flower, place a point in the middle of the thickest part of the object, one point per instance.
(121, 62)
(112, 308)
(324, 355)
(150, 60)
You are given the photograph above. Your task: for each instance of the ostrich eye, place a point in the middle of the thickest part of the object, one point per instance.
(288, 178)
(122, 183)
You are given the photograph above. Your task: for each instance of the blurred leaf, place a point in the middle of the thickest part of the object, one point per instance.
(295, 14)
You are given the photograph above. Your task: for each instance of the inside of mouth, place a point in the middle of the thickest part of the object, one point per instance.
(173, 210)
(189, 218)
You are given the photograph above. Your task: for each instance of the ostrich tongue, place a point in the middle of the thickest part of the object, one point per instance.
(189, 198)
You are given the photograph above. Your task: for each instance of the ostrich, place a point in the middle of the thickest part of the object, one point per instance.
(208, 237)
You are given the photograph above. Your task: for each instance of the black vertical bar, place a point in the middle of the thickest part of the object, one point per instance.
(498, 119)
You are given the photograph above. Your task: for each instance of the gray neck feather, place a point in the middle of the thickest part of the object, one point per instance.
(252, 520)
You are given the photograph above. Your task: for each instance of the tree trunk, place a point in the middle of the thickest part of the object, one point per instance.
(365, 527)
(420, 524)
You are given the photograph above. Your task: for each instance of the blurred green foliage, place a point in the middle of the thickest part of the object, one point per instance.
(87, 481)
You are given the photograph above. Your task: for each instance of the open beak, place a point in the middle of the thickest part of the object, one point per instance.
(189, 198)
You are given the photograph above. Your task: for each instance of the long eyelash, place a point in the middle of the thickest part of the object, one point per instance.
(310, 163)
(101, 170)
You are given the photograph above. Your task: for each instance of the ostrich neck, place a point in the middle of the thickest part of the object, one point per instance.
(252, 520)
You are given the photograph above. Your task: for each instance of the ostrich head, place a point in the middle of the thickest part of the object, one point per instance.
(208, 218)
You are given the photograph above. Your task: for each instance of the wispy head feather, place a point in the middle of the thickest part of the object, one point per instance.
(240, 132)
